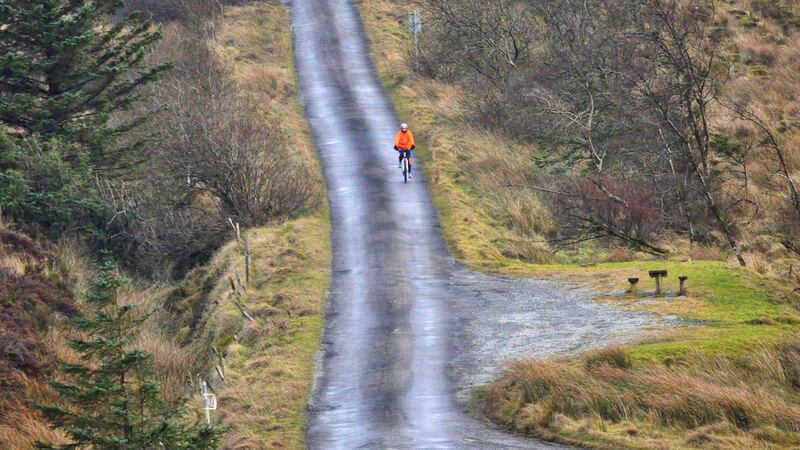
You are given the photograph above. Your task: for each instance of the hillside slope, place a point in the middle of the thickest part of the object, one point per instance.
(255, 345)
(33, 298)
(732, 319)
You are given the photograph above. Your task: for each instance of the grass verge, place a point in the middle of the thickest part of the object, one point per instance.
(732, 319)
(268, 361)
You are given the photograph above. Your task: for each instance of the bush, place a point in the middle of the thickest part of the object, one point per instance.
(215, 157)
(43, 191)
(608, 209)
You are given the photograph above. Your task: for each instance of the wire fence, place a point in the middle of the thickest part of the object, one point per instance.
(238, 295)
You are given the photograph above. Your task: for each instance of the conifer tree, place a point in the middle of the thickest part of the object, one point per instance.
(111, 400)
(65, 68)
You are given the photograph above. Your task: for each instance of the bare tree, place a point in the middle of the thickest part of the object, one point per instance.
(787, 226)
(643, 78)
(491, 38)
(215, 156)
(678, 68)
(248, 167)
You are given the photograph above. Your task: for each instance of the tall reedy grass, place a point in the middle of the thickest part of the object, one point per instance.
(756, 397)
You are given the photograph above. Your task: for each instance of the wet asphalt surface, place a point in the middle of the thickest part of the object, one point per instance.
(408, 330)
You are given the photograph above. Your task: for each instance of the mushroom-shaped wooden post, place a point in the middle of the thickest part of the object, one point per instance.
(658, 274)
(633, 289)
(682, 288)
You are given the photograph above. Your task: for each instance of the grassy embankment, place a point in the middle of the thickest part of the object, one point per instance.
(268, 362)
(683, 387)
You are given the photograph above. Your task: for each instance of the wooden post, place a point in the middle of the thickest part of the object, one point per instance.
(220, 372)
(242, 310)
(236, 294)
(682, 288)
(633, 289)
(658, 274)
(239, 283)
(233, 226)
(246, 262)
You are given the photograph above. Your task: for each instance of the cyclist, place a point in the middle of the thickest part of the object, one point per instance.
(404, 144)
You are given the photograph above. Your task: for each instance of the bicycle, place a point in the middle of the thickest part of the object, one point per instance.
(404, 155)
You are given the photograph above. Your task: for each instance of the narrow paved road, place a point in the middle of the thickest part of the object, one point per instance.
(407, 330)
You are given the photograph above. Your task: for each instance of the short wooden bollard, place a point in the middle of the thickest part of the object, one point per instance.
(658, 274)
(682, 288)
(633, 289)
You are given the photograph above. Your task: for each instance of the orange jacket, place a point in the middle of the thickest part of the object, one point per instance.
(404, 140)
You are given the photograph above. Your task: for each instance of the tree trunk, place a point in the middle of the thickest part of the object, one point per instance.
(723, 225)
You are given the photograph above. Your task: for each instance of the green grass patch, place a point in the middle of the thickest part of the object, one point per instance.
(728, 309)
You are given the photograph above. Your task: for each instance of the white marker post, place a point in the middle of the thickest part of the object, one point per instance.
(415, 27)
(209, 401)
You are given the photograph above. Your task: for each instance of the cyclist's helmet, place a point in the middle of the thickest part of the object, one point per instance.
(403, 126)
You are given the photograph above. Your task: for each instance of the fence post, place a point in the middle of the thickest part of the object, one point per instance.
(242, 241)
(238, 305)
(246, 262)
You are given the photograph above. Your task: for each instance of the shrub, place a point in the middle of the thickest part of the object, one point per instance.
(42, 190)
(608, 209)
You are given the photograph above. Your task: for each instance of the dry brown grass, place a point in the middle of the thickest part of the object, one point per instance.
(765, 37)
(23, 428)
(172, 365)
(13, 264)
(254, 41)
(607, 399)
(487, 226)
(699, 402)
(706, 253)
(29, 304)
(268, 363)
